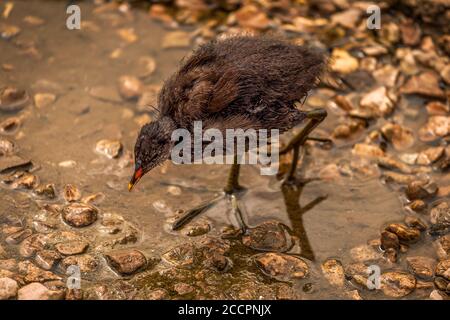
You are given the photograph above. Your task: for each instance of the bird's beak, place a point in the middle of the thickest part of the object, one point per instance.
(138, 173)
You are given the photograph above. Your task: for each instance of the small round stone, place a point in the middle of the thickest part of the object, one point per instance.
(79, 214)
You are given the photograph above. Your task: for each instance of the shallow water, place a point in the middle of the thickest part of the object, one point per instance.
(345, 212)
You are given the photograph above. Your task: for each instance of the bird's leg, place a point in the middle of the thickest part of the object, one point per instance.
(230, 189)
(315, 118)
(233, 178)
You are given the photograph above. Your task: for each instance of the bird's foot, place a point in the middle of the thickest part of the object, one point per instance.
(228, 195)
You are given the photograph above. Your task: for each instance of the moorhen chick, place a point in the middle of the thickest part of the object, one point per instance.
(240, 82)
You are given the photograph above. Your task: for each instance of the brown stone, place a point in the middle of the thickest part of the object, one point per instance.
(126, 261)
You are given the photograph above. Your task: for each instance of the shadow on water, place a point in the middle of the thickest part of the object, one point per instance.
(291, 195)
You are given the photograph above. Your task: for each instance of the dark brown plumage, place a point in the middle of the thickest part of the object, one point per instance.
(240, 82)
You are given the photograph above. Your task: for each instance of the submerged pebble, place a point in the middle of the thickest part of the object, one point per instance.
(8, 288)
(7, 147)
(72, 247)
(281, 266)
(13, 99)
(268, 236)
(334, 272)
(109, 148)
(71, 193)
(37, 291)
(127, 261)
(87, 262)
(421, 267)
(397, 284)
(130, 87)
(79, 214)
(403, 232)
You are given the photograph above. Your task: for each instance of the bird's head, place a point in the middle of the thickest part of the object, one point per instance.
(152, 148)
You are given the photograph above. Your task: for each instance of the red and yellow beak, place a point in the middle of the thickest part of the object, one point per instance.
(136, 177)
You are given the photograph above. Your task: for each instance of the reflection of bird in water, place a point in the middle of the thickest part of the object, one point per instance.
(291, 195)
(236, 83)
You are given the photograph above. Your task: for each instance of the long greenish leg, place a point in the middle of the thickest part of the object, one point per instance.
(231, 186)
(315, 118)
(233, 178)
(192, 213)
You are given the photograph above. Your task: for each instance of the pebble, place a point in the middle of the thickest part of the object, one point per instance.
(13, 99)
(436, 295)
(436, 127)
(347, 18)
(367, 150)
(421, 267)
(35, 274)
(74, 294)
(442, 247)
(71, 193)
(79, 214)
(174, 190)
(8, 288)
(251, 17)
(47, 259)
(176, 39)
(109, 148)
(72, 247)
(445, 74)
(87, 262)
(430, 155)
(364, 253)
(401, 138)
(112, 223)
(130, 87)
(18, 237)
(425, 84)
(281, 266)
(145, 66)
(404, 233)
(8, 31)
(26, 181)
(43, 100)
(436, 108)
(10, 125)
(33, 20)
(343, 62)
(391, 255)
(397, 284)
(389, 240)
(7, 147)
(46, 190)
(157, 294)
(440, 214)
(197, 228)
(127, 34)
(378, 101)
(8, 264)
(127, 261)
(421, 190)
(334, 272)
(67, 164)
(32, 244)
(37, 291)
(183, 288)
(416, 223)
(443, 269)
(268, 236)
